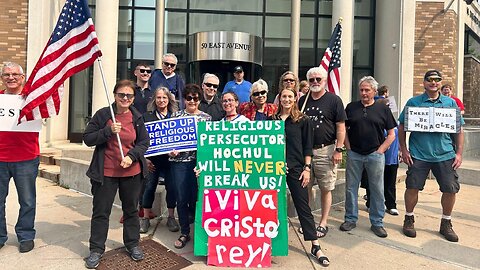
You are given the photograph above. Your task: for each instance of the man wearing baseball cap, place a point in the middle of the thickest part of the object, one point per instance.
(438, 152)
(239, 86)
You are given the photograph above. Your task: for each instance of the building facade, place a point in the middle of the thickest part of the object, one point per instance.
(396, 41)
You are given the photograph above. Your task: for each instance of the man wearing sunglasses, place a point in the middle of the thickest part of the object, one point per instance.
(239, 86)
(143, 93)
(167, 77)
(327, 114)
(438, 152)
(210, 103)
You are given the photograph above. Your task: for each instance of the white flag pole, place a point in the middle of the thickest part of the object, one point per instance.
(109, 103)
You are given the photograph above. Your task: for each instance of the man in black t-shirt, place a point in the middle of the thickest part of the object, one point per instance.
(327, 115)
(366, 145)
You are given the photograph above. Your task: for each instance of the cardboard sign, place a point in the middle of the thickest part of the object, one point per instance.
(241, 215)
(172, 134)
(10, 110)
(432, 119)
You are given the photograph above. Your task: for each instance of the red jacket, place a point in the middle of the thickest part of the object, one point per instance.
(249, 109)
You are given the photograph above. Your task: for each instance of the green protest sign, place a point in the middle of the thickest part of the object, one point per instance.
(242, 193)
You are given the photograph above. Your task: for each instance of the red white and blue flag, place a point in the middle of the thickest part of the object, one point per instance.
(72, 47)
(331, 60)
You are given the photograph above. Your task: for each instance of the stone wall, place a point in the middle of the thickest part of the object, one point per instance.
(13, 32)
(435, 43)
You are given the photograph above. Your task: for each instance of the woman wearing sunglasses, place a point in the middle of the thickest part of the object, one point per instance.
(288, 80)
(298, 154)
(162, 106)
(182, 167)
(258, 108)
(230, 104)
(109, 171)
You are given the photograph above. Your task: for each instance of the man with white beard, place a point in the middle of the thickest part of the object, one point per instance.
(327, 114)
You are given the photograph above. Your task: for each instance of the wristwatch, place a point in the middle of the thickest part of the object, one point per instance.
(339, 149)
(309, 166)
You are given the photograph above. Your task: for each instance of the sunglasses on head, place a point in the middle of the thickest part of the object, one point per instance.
(123, 95)
(259, 93)
(211, 85)
(190, 98)
(142, 70)
(430, 79)
(169, 64)
(312, 80)
(288, 80)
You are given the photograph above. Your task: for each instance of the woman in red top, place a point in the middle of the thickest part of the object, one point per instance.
(258, 108)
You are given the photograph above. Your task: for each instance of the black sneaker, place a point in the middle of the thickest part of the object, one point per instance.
(135, 253)
(347, 226)
(26, 246)
(92, 261)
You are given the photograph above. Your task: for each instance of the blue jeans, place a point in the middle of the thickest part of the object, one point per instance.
(374, 164)
(24, 174)
(186, 188)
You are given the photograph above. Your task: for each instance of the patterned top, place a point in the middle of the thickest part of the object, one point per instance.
(249, 109)
(189, 155)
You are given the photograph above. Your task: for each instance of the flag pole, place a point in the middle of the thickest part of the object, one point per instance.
(109, 103)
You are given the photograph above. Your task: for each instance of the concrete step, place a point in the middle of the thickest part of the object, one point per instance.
(50, 172)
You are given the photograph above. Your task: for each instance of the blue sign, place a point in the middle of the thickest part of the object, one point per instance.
(172, 134)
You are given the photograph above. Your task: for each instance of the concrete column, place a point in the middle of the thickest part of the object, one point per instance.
(159, 32)
(295, 36)
(460, 48)
(407, 52)
(106, 26)
(344, 9)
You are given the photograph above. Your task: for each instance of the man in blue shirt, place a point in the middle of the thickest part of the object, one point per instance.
(167, 77)
(436, 151)
(239, 86)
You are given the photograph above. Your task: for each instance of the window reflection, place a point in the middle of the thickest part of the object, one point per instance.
(228, 5)
(144, 34)
(200, 22)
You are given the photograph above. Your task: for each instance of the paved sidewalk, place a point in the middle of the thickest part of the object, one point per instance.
(63, 224)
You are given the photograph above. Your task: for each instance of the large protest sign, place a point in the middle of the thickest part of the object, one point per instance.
(432, 119)
(10, 110)
(172, 134)
(241, 215)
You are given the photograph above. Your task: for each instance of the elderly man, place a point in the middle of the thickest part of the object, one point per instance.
(143, 94)
(239, 86)
(366, 144)
(327, 114)
(19, 159)
(168, 78)
(435, 151)
(210, 103)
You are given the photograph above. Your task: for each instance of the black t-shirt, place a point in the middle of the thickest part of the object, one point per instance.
(298, 144)
(214, 109)
(365, 126)
(324, 113)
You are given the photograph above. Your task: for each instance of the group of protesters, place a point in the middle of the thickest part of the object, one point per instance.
(318, 128)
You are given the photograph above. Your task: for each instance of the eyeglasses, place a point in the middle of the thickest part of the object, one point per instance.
(259, 93)
(142, 70)
(215, 86)
(14, 75)
(123, 95)
(430, 79)
(312, 80)
(190, 98)
(288, 80)
(365, 112)
(228, 101)
(169, 64)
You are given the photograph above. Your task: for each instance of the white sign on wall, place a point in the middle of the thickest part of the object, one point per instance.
(431, 119)
(10, 110)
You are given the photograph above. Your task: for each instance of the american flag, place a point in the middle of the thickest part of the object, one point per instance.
(72, 47)
(331, 60)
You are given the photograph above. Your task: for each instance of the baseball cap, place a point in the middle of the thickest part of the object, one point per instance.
(238, 69)
(432, 74)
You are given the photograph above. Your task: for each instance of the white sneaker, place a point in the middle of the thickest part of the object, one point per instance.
(393, 212)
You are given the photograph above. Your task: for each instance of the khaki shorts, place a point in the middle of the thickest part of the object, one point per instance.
(324, 172)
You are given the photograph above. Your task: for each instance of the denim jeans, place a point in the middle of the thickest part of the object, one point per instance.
(24, 174)
(186, 188)
(374, 164)
(151, 186)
